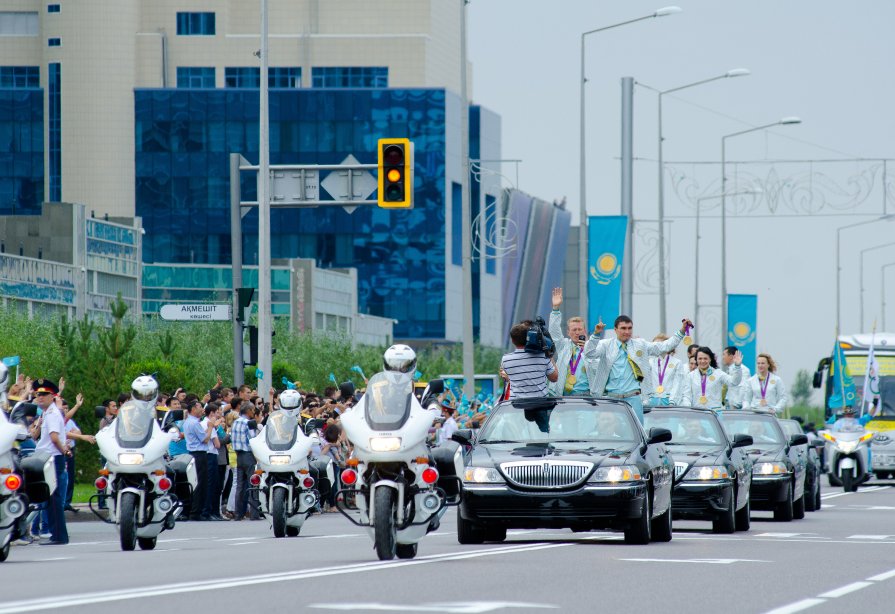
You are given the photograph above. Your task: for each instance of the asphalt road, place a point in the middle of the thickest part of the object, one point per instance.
(839, 559)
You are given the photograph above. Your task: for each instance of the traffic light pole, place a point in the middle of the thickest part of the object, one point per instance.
(265, 324)
(236, 252)
(466, 220)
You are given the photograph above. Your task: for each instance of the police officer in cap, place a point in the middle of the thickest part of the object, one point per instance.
(52, 441)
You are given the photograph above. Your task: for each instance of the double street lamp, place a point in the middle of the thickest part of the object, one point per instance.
(736, 72)
(861, 276)
(839, 263)
(582, 224)
(786, 121)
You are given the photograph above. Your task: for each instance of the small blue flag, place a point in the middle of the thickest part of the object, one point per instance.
(288, 384)
(259, 374)
(11, 361)
(332, 377)
(357, 369)
(417, 375)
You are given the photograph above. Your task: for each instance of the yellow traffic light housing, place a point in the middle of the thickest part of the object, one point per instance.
(395, 159)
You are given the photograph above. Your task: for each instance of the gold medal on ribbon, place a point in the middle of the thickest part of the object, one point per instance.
(764, 401)
(660, 389)
(703, 400)
(688, 340)
(711, 378)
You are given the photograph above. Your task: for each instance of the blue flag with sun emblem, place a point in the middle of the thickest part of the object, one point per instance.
(742, 314)
(605, 248)
(843, 388)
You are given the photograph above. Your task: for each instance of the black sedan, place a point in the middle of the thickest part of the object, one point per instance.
(813, 467)
(712, 475)
(778, 473)
(578, 463)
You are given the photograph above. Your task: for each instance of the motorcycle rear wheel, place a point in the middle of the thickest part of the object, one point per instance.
(278, 512)
(384, 524)
(127, 521)
(406, 551)
(147, 543)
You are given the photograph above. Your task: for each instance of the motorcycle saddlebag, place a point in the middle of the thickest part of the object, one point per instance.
(181, 466)
(39, 475)
(443, 456)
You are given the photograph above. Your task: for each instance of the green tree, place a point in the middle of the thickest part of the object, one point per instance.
(801, 388)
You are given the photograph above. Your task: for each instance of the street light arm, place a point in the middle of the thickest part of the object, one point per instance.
(617, 25)
(755, 129)
(694, 84)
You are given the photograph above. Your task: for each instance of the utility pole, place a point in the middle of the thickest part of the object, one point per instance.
(265, 327)
(466, 220)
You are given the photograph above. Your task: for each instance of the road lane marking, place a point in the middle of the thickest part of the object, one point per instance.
(459, 607)
(798, 606)
(883, 576)
(243, 543)
(845, 590)
(784, 534)
(704, 561)
(48, 603)
(869, 536)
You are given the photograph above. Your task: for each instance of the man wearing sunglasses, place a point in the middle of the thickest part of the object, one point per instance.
(52, 440)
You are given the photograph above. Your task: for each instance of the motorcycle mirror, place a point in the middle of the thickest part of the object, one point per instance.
(100, 412)
(818, 444)
(741, 441)
(253, 424)
(176, 414)
(346, 390)
(436, 386)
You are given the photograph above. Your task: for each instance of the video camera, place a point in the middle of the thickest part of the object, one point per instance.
(539, 340)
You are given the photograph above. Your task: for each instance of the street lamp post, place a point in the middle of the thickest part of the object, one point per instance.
(736, 72)
(696, 263)
(786, 121)
(582, 224)
(839, 264)
(861, 275)
(883, 290)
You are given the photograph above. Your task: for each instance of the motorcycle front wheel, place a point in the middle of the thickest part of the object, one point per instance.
(278, 512)
(849, 483)
(127, 521)
(384, 523)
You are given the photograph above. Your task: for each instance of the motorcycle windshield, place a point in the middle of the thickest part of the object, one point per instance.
(387, 400)
(281, 430)
(134, 424)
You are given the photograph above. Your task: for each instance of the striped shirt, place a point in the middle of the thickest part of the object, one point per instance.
(528, 373)
(239, 435)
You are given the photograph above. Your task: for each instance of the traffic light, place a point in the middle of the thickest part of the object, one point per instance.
(253, 345)
(244, 299)
(395, 174)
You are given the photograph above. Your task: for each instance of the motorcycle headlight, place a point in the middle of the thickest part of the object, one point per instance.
(712, 472)
(847, 446)
(620, 473)
(482, 475)
(130, 459)
(385, 444)
(762, 469)
(280, 459)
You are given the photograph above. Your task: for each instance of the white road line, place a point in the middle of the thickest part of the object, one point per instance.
(868, 537)
(845, 590)
(47, 603)
(242, 544)
(55, 558)
(836, 494)
(798, 606)
(883, 576)
(783, 534)
(703, 561)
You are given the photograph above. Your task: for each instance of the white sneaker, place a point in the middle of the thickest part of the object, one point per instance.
(46, 535)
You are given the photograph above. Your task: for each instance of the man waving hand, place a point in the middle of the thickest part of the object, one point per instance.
(571, 364)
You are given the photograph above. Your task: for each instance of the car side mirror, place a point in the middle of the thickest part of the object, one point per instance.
(463, 437)
(658, 435)
(741, 441)
(798, 440)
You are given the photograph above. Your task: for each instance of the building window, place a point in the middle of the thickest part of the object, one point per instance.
(54, 42)
(19, 77)
(195, 77)
(53, 8)
(19, 23)
(242, 76)
(54, 100)
(349, 76)
(284, 76)
(195, 24)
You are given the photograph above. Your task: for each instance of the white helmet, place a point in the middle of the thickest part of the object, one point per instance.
(399, 358)
(290, 401)
(144, 388)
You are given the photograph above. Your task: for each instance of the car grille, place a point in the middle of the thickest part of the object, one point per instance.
(546, 474)
(679, 469)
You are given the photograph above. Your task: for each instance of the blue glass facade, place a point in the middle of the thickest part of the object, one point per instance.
(349, 76)
(284, 76)
(195, 24)
(183, 141)
(250, 76)
(21, 151)
(20, 77)
(54, 109)
(195, 77)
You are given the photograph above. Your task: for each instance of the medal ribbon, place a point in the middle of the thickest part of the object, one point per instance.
(661, 369)
(687, 330)
(703, 383)
(764, 386)
(573, 366)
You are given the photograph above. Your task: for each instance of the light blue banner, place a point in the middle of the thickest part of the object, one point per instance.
(742, 317)
(605, 247)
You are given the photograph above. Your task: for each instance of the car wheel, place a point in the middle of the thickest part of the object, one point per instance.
(818, 503)
(639, 530)
(783, 512)
(495, 534)
(726, 521)
(469, 532)
(661, 527)
(798, 507)
(812, 498)
(743, 516)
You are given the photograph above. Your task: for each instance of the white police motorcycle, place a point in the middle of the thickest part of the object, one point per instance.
(846, 452)
(136, 481)
(285, 479)
(391, 481)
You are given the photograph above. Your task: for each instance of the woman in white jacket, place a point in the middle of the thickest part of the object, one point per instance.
(667, 380)
(707, 380)
(764, 390)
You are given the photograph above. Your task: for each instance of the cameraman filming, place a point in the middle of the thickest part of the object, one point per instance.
(528, 369)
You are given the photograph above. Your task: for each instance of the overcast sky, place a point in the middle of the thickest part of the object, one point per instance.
(827, 62)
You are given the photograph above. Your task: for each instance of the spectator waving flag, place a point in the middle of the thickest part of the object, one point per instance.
(871, 377)
(843, 394)
(332, 378)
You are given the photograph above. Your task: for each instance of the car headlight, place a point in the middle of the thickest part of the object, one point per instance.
(847, 446)
(769, 469)
(619, 473)
(385, 444)
(482, 475)
(280, 459)
(709, 472)
(130, 459)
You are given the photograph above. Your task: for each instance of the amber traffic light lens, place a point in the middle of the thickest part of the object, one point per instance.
(394, 175)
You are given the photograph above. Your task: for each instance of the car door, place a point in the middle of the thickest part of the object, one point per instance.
(661, 466)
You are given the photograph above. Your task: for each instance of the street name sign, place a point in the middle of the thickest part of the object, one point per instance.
(206, 312)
